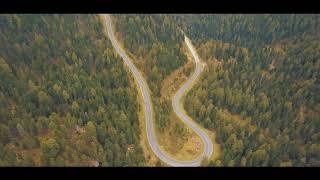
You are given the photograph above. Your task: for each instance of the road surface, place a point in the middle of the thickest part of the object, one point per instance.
(143, 87)
(178, 109)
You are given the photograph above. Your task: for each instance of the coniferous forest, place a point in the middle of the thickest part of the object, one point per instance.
(67, 99)
(260, 91)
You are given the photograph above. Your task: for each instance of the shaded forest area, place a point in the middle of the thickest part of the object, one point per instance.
(248, 30)
(65, 97)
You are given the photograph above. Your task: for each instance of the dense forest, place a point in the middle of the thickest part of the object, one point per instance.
(65, 97)
(249, 30)
(262, 100)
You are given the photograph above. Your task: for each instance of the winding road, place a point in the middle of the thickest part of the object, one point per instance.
(151, 135)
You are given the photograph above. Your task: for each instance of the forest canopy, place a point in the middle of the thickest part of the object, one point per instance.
(65, 98)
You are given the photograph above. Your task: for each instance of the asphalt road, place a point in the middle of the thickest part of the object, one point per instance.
(208, 147)
(143, 87)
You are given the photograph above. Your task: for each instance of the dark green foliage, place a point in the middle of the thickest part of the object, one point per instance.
(247, 30)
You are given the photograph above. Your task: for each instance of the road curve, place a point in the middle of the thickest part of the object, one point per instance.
(151, 135)
(208, 147)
